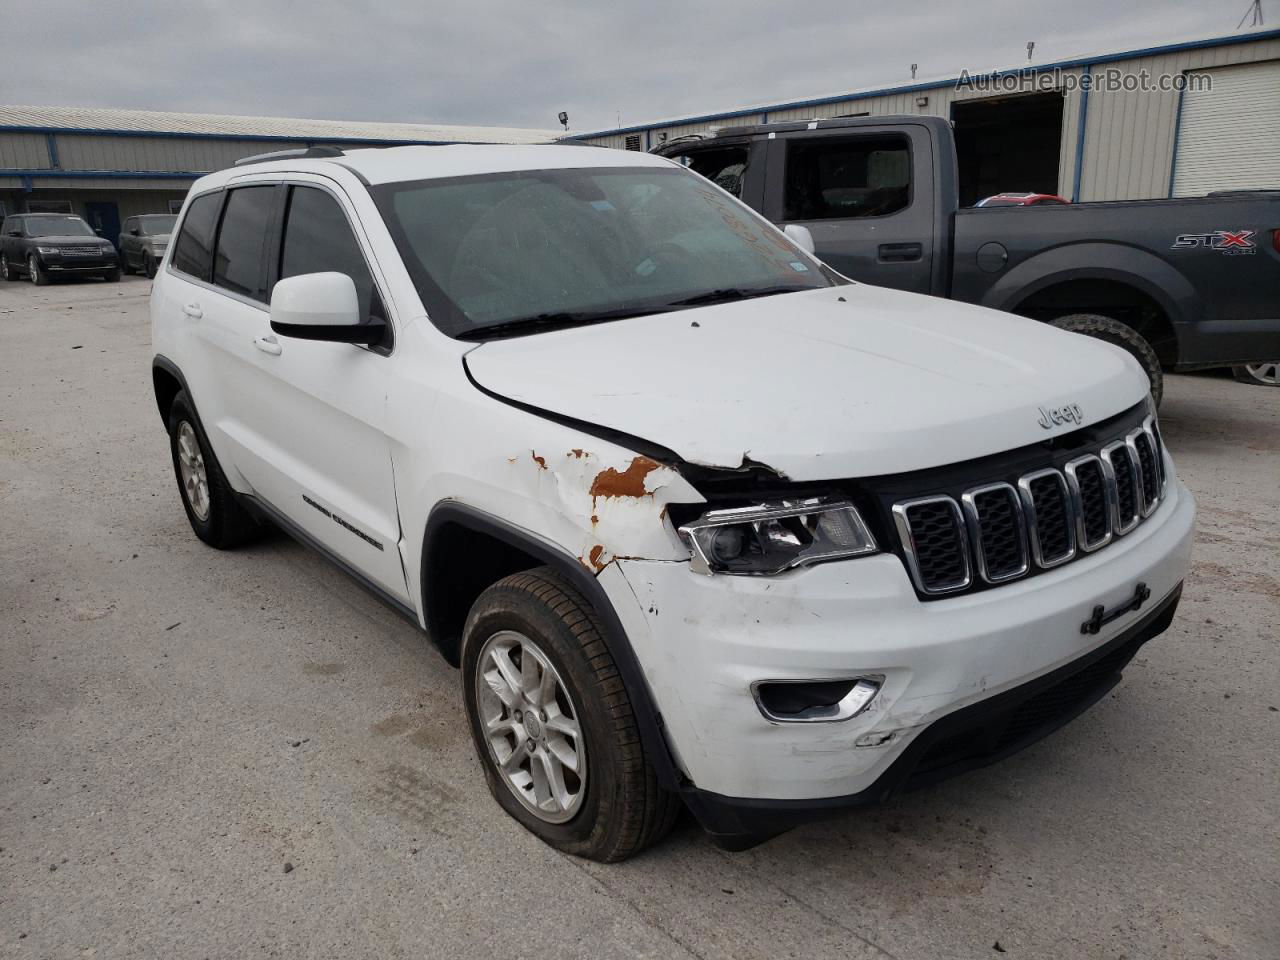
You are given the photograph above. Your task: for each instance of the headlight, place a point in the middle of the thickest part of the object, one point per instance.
(773, 537)
(47, 250)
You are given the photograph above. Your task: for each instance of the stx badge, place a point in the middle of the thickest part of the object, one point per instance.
(1232, 243)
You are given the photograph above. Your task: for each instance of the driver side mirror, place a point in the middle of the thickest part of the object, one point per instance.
(322, 306)
(800, 236)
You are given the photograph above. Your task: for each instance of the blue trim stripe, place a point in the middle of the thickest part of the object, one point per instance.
(935, 84)
(26, 175)
(246, 137)
(1081, 126)
(51, 144)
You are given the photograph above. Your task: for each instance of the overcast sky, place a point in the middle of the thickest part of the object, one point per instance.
(517, 63)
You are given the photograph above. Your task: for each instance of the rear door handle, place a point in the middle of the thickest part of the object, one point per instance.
(268, 345)
(900, 252)
(193, 311)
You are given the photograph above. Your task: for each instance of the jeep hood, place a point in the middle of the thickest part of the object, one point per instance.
(841, 382)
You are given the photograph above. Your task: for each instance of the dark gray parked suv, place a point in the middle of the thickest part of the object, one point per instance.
(143, 241)
(47, 245)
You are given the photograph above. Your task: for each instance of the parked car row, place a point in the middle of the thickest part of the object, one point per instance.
(44, 246)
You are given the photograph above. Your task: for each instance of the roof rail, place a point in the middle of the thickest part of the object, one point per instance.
(294, 154)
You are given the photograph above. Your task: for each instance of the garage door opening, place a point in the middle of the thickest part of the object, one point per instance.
(1008, 144)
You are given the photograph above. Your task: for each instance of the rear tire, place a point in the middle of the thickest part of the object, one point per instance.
(7, 272)
(34, 273)
(217, 516)
(1117, 333)
(618, 808)
(1266, 374)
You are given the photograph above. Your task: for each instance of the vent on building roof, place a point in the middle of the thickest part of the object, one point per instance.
(633, 141)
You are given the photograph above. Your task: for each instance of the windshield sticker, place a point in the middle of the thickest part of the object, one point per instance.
(1231, 243)
(799, 267)
(603, 205)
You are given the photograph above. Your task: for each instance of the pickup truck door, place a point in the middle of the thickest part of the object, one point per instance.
(866, 196)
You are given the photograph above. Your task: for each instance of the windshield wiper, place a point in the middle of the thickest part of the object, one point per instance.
(555, 320)
(726, 294)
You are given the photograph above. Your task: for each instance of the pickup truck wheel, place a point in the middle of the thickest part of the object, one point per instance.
(38, 276)
(217, 516)
(1113, 331)
(7, 272)
(1265, 374)
(552, 723)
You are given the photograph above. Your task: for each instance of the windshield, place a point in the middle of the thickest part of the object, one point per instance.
(57, 227)
(575, 246)
(157, 224)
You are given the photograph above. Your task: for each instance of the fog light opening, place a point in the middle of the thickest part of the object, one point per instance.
(815, 701)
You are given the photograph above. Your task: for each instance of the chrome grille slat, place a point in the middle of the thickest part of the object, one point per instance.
(932, 531)
(1051, 517)
(997, 532)
(994, 533)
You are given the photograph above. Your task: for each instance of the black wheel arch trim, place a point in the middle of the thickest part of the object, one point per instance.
(648, 718)
(161, 362)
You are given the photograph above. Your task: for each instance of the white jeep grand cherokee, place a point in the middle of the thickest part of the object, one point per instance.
(702, 521)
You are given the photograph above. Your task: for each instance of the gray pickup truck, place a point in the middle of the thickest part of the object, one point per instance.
(1181, 284)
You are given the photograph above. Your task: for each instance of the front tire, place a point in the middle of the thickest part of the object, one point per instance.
(1266, 374)
(552, 723)
(35, 273)
(216, 514)
(1125, 337)
(149, 267)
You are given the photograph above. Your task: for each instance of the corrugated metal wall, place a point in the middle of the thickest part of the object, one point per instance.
(1129, 136)
(100, 152)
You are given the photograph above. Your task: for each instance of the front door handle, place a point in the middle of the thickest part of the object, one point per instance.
(268, 345)
(193, 311)
(900, 252)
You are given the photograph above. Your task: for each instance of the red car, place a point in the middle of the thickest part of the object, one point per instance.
(1021, 200)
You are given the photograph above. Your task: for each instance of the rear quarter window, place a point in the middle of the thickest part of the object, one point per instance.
(193, 250)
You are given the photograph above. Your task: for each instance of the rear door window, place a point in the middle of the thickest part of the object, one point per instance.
(318, 239)
(830, 179)
(193, 250)
(723, 166)
(239, 262)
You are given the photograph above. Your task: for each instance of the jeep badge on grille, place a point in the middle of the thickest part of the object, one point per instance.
(1056, 416)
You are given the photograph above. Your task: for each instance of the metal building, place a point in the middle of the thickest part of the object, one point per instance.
(1063, 127)
(108, 165)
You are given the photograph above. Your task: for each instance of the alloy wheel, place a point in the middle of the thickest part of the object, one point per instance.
(1268, 372)
(33, 270)
(531, 727)
(195, 481)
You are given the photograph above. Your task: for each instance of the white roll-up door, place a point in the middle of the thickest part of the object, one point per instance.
(1229, 137)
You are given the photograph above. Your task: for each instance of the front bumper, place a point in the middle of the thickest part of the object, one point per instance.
(702, 641)
(972, 737)
(62, 265)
